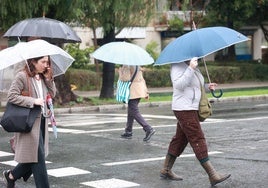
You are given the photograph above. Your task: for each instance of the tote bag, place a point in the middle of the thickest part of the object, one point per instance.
(123, 88)
(19, 119)
(123, 91)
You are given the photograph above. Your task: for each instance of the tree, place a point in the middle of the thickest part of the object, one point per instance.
(237, 13)
(232, 14)
(260, 16)
(12, 11)
(113, 16)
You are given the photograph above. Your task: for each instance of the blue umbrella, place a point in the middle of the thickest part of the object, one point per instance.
(123, 53)
(199, 43)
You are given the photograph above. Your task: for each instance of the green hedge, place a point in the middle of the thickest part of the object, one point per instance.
(221, 74)
(84, 80)
(155, 76)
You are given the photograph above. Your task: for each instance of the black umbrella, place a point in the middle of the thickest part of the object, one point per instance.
(48, 29)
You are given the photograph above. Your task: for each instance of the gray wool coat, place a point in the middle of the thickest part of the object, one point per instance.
(26, 144)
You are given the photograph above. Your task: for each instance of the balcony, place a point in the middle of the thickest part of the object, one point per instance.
(163, 18)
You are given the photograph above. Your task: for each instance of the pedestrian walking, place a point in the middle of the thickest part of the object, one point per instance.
(138, 90)
(186, 79)
(30, 87)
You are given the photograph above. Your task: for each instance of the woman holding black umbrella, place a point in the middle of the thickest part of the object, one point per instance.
(187, 82)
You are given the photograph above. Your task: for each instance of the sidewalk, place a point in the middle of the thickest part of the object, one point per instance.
(121, 106)
(169, 89)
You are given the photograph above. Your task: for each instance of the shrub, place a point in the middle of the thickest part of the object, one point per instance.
(84, 80)
(221, 74)
(157, 77)
(151, 48)
(261, 72)
(175, 24)
(81, 56)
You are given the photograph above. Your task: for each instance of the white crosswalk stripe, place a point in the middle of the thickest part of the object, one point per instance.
(110, 183)
(66, 171)
(4, 154)
(153, 159)
(14, 163)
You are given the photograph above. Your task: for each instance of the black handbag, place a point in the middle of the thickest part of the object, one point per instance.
(19, 119)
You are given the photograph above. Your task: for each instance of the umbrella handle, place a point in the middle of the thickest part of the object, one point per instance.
(217, 96)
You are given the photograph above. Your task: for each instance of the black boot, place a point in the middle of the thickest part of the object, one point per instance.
(9, 182)
(166, 171)
(214, 176)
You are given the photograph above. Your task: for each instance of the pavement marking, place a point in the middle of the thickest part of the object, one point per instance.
(67, 171)
(62, 130)
(93, 122)
(154, 159)
(122, 115)
(14, 163)
(76, 131)
(208, 121)
(4, 154)
(110, 183)
(261, 105)
(233, 120)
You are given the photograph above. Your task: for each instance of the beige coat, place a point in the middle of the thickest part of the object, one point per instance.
(26, 144)
(138, 88)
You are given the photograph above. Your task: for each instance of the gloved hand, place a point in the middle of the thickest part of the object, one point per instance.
(193, 63)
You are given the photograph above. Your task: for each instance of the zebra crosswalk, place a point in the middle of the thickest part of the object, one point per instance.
(95, 125)
(73, 171)
(102, 183)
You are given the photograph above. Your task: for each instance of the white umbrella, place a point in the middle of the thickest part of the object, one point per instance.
(22, 51)
(14, 58)
(123, 53)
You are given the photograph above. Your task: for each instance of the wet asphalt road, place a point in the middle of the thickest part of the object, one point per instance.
(89, 149)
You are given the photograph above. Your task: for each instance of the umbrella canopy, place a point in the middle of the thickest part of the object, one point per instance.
(22, 51)
(199, 43)
(45, 28)
(123, 53)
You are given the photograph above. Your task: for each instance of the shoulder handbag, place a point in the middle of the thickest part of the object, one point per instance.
(19, 119)
(123, 88)
(205, 109)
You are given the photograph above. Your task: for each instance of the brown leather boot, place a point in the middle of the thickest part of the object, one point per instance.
(214, 176)
(166, 171)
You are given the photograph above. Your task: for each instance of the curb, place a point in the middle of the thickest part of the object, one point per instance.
(107, 108)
